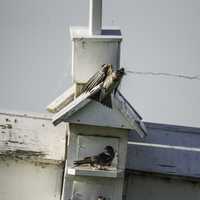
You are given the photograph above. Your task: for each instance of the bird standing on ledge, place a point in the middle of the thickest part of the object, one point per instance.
(101, 160)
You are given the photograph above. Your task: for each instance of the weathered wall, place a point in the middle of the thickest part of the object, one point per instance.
(32, 154)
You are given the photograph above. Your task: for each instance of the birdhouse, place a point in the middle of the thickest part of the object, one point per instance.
(97, 133)
(89, 52)
(91, 128)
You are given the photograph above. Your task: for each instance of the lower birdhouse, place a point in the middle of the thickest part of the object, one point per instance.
(96, 151)
(92, 188)
(97, 145)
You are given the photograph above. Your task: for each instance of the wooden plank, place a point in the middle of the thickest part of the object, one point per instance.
(32, 137)
(75, 105)
(62, 101)
(167, 149)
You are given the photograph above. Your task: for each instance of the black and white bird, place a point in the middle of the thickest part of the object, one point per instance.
(100, 161)
(97, 78)
(111, 83)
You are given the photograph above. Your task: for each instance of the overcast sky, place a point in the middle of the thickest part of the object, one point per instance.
(160, 36)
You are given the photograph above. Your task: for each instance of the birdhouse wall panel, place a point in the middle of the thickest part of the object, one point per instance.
(92, 188)
(98, 115)
(90, 54)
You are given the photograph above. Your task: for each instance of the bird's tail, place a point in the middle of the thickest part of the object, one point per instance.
(82, 162)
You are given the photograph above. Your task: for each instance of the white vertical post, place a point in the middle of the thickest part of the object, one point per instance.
(95, 18)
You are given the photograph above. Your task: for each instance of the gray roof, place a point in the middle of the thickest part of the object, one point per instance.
(122, 113)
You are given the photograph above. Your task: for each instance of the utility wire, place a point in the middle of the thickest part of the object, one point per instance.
(195, 77)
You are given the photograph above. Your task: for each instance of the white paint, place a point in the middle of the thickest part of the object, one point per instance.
(61, 101)
(95, 173)
(95, 17)
(32, 133)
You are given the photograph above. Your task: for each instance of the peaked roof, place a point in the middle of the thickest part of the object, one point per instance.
(84, 110)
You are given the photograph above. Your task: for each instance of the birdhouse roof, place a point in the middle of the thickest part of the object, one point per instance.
(84, 110)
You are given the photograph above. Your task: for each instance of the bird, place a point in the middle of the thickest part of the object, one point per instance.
(110, 84)
(100, 161)
(97, 78)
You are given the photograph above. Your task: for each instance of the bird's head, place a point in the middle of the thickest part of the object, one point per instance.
(109, 149)
(120, 72)
(106, 67)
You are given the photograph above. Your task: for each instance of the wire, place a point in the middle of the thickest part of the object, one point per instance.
(195, 77)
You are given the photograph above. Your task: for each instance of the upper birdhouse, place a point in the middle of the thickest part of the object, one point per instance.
(93, 46)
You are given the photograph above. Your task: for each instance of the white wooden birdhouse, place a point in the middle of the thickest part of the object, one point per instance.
(97, 134)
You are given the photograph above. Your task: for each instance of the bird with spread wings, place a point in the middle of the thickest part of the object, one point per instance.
(110, 80)
(98, 77)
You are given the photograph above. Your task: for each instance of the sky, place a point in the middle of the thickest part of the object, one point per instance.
(160, 41)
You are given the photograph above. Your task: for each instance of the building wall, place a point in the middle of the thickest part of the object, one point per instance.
(142, 187)
(32, 153)
(167, 149)
(164, 165)
(23, 180)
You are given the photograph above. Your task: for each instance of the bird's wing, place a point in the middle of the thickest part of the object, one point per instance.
(94, 81)
(104, 158)
(106, 87)
(116, 86)
(107, 101)
(86, 160)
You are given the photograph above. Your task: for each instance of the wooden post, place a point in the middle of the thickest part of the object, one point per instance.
(95, 17)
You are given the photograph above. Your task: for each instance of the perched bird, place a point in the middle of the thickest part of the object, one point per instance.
(101, 160)
(110, 84)
(98, 77)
